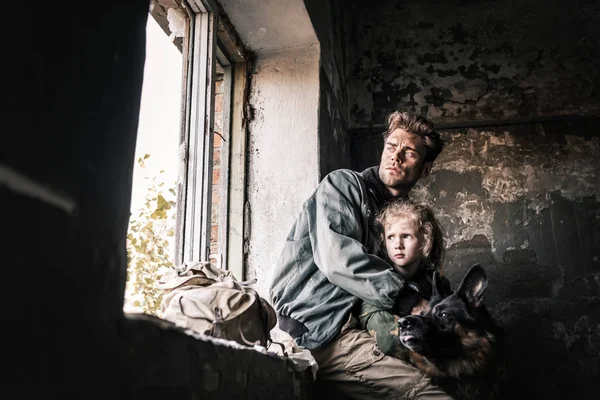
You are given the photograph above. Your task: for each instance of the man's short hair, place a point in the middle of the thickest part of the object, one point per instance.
(417, 125)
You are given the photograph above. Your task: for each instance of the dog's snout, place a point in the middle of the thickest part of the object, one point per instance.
(404, 323)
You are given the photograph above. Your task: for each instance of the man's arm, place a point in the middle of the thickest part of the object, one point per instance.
(338, 229)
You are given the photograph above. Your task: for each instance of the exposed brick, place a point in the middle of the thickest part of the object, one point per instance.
(214, 215)
(214, 233)
(218, 103)
(217, 140)
(218, 123)
(216, 176)
(217, 157)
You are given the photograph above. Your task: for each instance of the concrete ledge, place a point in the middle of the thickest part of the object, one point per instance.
(166, 361)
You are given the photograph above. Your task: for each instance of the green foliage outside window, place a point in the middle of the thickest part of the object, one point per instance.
(150, 245)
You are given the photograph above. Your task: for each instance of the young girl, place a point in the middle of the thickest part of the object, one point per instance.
(414, 244)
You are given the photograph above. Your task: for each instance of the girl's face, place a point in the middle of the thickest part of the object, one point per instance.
(403, 245)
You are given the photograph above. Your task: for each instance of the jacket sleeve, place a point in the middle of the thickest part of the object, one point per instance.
(338, 229)
(383, 326)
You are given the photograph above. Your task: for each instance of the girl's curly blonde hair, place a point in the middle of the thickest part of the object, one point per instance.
(422, 218)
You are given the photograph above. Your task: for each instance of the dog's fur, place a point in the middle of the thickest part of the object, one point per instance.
(456, 341)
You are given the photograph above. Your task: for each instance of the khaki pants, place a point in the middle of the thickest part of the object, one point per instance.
(354, 365)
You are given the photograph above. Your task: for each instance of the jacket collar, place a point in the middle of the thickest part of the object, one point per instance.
(376, 187)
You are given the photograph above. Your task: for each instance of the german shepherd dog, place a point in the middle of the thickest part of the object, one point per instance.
(455, 340)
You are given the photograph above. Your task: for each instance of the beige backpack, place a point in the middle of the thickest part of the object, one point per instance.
(211, 301)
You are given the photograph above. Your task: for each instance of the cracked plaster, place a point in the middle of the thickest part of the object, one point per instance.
(472, 62)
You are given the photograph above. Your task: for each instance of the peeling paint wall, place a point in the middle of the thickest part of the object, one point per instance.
(508, 166)
(523, 202)
(480, 169)
(472, 60)
(518, 195)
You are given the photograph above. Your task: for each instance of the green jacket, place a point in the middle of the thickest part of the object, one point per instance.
(329, 264)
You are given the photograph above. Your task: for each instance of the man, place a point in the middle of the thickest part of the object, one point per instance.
(332, 260)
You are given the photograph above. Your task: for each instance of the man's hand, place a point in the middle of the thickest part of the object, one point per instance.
(422, 305)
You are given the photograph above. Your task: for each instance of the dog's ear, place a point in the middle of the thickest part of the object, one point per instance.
(440, 287)
(473, 285)
(436, 287)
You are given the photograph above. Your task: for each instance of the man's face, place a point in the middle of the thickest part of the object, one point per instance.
(402, 162)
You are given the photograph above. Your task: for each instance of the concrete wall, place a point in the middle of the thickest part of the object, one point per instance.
(519, 195)
(523, 201)
(298, 129)
(282, 152)
(472, 60)
(65, 187)
(333, 135)
(283, 122)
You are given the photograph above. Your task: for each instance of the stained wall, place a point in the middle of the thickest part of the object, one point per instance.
(514, 90)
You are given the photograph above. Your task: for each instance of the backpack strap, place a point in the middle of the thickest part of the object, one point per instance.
(217, 326)
(264, 318)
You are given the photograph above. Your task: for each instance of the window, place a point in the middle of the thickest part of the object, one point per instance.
(195, 187)
(150, 236)
(210, 187)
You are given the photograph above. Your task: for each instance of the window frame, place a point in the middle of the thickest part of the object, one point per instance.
(210, 39)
